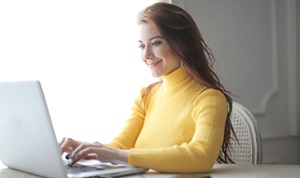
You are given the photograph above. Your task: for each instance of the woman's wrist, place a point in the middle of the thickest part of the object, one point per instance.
(123, 155)
(117, 154)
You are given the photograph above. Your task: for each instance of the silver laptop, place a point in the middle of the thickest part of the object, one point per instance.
(28, 141)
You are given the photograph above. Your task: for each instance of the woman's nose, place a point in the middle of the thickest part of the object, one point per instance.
(147, 53)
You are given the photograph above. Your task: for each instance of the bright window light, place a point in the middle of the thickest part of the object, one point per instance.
(86, 55)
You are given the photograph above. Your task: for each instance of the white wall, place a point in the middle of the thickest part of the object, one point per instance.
(86, 55)
(257, 52)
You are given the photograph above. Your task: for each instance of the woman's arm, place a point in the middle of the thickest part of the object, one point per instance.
(209, 112)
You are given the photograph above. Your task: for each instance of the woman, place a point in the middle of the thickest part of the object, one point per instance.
(180, 124)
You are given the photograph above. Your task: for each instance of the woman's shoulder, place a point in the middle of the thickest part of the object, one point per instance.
(151, 87)
(209, 93)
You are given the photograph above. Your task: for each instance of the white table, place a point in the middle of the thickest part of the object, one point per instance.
(220, 171)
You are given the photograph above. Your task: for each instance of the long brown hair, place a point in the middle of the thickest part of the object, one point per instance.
(181, 32)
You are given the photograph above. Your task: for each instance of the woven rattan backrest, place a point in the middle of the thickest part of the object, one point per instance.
(247, 150)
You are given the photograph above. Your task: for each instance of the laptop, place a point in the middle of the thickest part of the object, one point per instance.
(28, 141)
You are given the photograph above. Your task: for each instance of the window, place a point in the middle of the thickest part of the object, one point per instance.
(85, 53)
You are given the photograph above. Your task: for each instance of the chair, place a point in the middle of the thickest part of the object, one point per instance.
(248, 148)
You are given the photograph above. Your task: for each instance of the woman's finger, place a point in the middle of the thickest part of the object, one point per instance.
(62, 141)
(68, 143)
(91, 156)
(85, 151)
(69, 153)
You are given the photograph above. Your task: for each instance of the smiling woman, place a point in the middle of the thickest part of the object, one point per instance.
(85, 54)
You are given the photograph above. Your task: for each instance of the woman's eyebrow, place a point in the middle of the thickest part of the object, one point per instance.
(140, 41)
(154, 37)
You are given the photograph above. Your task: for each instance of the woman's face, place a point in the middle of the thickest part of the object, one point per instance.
(156, 51)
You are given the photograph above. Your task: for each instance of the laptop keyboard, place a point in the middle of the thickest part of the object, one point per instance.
(77, 168)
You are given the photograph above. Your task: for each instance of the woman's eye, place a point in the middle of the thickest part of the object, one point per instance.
(156, 43)
(141, 46)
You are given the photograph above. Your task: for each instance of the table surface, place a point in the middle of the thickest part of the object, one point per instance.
(219, 171)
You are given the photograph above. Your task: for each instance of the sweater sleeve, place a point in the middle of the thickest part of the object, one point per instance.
(209, 111)
(127, 137)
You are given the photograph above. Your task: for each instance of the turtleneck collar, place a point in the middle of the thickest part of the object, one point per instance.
(175, 80)
(175, 76)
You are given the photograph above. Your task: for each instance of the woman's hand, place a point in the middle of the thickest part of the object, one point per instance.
(77, 150)
(67, 145)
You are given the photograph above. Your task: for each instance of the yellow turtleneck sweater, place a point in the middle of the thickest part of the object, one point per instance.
(178, 127)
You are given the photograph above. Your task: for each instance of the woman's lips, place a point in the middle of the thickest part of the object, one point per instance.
(152, 64)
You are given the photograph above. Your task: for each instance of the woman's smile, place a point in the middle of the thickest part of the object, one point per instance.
(152, 64)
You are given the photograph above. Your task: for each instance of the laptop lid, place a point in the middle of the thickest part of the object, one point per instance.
(28, 141)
